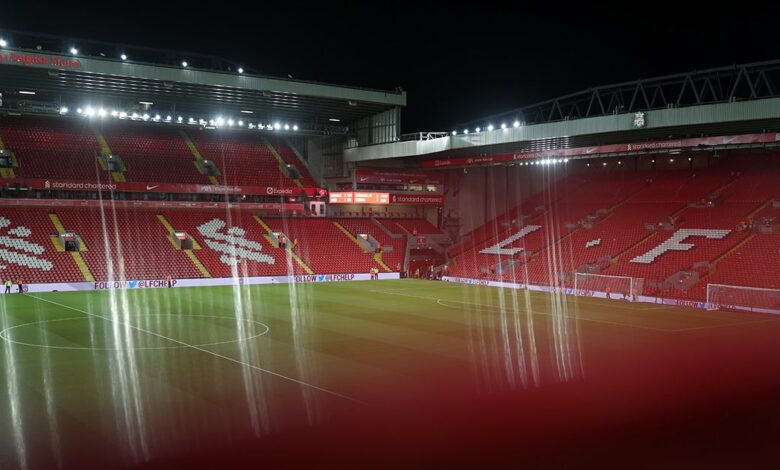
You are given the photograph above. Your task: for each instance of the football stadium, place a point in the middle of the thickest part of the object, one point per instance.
(206, 266)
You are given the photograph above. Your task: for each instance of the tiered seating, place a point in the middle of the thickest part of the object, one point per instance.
(52, 148)
(156, 155)
(127, 244)
(234, 239)
(26, 249)
(422, 226)
(323, 246)
(391, 258)
(242, 159)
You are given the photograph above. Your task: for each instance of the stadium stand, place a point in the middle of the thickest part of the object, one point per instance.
(127, 244)
(28, 250)
(48, 148)
(141, 148)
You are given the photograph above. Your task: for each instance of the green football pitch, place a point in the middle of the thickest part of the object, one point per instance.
(141, 373)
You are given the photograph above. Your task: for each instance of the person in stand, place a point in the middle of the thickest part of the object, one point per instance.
(295, 244)
(169, 278)
(414, 231)
(8, 285)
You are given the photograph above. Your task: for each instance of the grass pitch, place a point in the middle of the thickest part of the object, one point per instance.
(141, 374)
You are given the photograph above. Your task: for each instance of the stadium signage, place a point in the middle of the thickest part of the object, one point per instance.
(324, 278)
(395, 177)
(148, 204)
(144, 284)
(34, 183)
(38, 60)
(648, 146)
(421, 200)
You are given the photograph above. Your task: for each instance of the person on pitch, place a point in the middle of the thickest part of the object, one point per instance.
(8, 285)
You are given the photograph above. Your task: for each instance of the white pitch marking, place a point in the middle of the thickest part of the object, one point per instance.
(197, 348)
(4, 335)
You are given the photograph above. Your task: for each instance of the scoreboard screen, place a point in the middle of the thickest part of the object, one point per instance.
(342, 198)
(359, 198)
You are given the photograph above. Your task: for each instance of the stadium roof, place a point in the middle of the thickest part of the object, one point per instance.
(204, 87)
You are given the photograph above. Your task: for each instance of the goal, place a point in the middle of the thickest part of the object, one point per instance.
(751, 299)
(621, 287)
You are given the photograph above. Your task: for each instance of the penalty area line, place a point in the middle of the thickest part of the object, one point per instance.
(212, 353)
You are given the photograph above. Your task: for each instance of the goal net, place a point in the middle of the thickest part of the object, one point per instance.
(752, 299)
(620, 287)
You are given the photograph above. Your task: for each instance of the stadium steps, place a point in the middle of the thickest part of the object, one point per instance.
(402, 228)
(77, 258)
(196, 154)
(105, 150)
(377, 256)
(271, 239)
(190, 253)
(378, 259)
(281, 161)
(349, 235)
(382, 228)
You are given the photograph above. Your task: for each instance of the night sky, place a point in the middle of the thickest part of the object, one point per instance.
(456, 61)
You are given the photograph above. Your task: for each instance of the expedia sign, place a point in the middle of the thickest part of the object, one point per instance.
(324, 278)
(146, 284)
(278, 191)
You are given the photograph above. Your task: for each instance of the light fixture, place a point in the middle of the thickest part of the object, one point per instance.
(465, 131)
(490, 127)
(503, 125)
(89, 111)
(240, 122)
(287, 127)
(246, 111)
(230, 122)
(184, 63)
(3, 42)
(122, 115)
(146, 103)
(604, 164)
(157, 117)
(620, 163)
(295, 127)
(114, 113)
(179, 119)
(146, 117)
(220, 121)
(102, 113)
(74, 51)
(79, 110)
(477, 129)
(63, 110)
(454, 132)
(334, 120)
(26, 92)
(168, 118)
(516, 124)
(277, 126)
(123, 56)
(240, 70)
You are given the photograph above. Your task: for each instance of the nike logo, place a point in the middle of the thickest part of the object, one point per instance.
(728, 140)
(149, 188)
(591, 150)
(362, 179)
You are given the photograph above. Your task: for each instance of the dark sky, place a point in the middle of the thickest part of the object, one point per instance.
(456, 61)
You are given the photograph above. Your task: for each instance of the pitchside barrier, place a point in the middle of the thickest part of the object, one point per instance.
(750, 299)
(223, 281)
(723, 297)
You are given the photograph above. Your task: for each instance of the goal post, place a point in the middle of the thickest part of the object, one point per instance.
(751, 299)
(620, 287)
